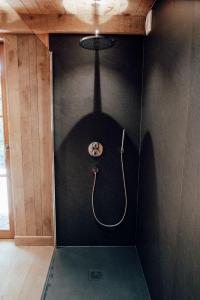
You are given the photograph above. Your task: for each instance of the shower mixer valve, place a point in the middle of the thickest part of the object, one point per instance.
(95, 149)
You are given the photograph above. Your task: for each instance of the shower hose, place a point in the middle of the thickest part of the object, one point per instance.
(95, 171)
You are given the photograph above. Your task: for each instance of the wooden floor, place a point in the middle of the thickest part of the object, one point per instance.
(23, 271)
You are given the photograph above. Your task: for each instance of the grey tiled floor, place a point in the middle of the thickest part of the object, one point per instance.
(118, 268)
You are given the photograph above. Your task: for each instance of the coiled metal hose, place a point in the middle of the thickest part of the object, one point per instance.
(125, 190)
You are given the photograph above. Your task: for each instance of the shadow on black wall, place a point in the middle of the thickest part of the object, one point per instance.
(168, 242)
(171, 54)
(148, 220)
(75, 222)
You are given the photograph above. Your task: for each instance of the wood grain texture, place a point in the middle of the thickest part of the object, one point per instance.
(23, 271)
(30, 134)
(18, 6)
(44, 38)
(6, 233)
(41, 24)
(34, 240)
(38, 7)
(71, 24)
(44, 113)
(12, 78)
(35, 132)
(57, 7)
(26, 132)
(44, 16)
(144, 7)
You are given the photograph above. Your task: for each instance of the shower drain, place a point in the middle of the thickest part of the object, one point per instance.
(95, 275)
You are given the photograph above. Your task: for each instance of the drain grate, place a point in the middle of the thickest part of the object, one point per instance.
(95, 275)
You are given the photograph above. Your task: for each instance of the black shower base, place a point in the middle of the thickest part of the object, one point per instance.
(95, 273)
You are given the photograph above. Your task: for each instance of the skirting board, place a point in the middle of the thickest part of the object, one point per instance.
(34, 240)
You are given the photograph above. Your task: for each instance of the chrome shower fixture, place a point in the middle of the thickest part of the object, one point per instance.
(96, 172)
(97, 42)
(95, 149)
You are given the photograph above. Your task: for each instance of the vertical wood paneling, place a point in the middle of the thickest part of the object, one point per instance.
(7, 233)
(29, 112)
(26, 132)
(12, 77)
(44, 112)
(32, 41)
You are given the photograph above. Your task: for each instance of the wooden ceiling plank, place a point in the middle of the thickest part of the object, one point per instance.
(51, 7)
(132, 7)
(144, 7)
(135, 7)
(37, 6)
(18, 6)
(32, 6)
(40, 24)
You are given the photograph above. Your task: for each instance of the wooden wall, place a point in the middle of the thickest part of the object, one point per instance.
(28, 79)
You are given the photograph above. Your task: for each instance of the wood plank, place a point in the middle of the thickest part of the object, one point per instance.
(30, 134)
(6, 234)
(32, 6)
(51, 7)
(135, 7)
(57, 7)
(144, 7)
(12, 23)
(36, 276)
(37, 7)
(71, 24)
(9, 233)
(44, 38)
(132, 7)
(26, 133)
(12, 78)
(39, 24)
(23, 271)
(34, 240)
(18, 6)
(45, 134)
(32, 53)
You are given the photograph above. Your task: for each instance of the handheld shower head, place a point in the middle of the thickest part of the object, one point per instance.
(123, 137)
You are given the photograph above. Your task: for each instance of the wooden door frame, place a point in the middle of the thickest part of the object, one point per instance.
(6, 234)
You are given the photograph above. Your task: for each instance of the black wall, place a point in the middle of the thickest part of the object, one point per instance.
(95, 97)
(168, 236)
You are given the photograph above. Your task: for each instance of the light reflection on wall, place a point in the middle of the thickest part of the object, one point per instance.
(90, 10)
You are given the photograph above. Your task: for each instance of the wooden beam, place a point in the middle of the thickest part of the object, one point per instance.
(44, 38)
(66, 23)
(12, 23)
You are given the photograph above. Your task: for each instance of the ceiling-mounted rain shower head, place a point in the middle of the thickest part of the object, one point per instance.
(97, 42)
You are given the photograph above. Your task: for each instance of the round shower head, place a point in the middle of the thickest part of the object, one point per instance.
(97, 42)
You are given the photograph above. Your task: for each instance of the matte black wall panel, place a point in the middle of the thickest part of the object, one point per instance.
(168, 236)
(96, 95)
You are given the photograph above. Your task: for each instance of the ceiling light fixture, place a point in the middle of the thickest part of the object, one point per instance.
(85, 10)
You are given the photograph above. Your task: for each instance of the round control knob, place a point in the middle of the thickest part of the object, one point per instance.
(95, 149)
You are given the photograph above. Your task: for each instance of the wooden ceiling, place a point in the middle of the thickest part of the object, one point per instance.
(52, 16)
